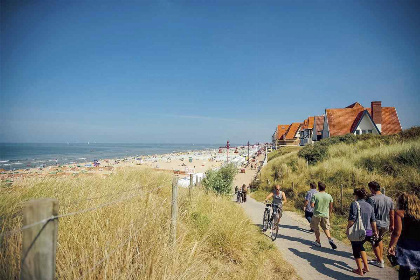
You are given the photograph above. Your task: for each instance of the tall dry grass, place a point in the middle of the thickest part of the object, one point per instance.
(395, 164)
(129, 239)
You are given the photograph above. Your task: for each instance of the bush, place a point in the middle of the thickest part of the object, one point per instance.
(411, 133)
(220, 181)
(314, 153)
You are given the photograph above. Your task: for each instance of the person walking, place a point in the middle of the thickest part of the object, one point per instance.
(244, 191)
(405, 238)
(384, 215)
(309, 211)
(322, 203)
(359, 207)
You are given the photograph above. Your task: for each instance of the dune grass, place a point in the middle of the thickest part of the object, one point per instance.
(282, 151)
(215, 240)
(393, 161)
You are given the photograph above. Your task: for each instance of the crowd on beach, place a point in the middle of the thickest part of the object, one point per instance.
(372, 215)
(183, 163)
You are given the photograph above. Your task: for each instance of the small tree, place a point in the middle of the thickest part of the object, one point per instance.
(220, 181)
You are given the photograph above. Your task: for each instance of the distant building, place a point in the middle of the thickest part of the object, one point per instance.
(281, 129)
(306, 131)
(292, 136)
(311, 130)
(359, 120)
(318, 127)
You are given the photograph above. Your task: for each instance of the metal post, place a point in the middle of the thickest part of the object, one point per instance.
(39, 242)
(248, 152)
(174, 211)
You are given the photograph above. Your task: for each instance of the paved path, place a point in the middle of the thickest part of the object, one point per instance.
(295, 243)
(313, 263)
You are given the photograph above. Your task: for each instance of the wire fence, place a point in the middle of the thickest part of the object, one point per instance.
(46, 220)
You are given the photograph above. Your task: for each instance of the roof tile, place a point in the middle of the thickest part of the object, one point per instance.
(291, 132)
(342, 121)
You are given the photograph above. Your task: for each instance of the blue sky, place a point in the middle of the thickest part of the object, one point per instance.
(199, 71)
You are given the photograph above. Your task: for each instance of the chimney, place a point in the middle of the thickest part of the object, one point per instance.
(376, 109)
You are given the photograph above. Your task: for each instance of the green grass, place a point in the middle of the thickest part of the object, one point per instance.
(281, 151)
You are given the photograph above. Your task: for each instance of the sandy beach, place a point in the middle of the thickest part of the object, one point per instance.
(182, 163)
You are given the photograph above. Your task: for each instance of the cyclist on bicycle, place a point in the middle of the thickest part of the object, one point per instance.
(279, 198)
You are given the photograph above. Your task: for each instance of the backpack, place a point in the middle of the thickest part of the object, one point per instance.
(357, 231)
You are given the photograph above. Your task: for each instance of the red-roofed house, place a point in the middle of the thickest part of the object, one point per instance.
(281, 129)
(359, 120)
(318, 127)
(306, 131)
(291, 137)
(311, 130)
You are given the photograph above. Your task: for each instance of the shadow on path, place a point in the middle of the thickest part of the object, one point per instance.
(320, 264)
(296, 228)
(320, 249)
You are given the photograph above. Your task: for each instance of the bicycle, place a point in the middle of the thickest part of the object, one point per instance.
(271, 221)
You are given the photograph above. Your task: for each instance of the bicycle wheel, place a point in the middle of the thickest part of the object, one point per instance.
(265, 219)
(274, 227)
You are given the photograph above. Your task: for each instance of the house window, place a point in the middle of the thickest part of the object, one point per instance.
(364, 131)
(370, 131)
(357, 132)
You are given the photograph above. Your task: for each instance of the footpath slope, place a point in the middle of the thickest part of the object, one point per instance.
(295, 243)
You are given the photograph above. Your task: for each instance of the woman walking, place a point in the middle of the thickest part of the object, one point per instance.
(359, 207)
(405, 239)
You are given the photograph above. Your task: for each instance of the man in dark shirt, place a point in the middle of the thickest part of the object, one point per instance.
(309, 211)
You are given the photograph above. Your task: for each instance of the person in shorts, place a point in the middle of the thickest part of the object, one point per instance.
(367, 216)
(322, 203)
(309, 211)
(384, 215)
(279, 198)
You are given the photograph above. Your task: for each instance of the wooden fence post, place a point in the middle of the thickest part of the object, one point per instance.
(174, 211)
(196, 180)
(341, 197)
(39, 242)
(191, 184)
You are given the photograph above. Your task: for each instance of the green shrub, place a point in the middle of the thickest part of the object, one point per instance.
(411, 133)
(220, 181)
(314, 153)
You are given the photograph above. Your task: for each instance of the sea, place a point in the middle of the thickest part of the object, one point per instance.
(30, 155)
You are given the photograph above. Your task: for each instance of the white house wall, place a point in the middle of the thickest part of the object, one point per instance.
(366, 124)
